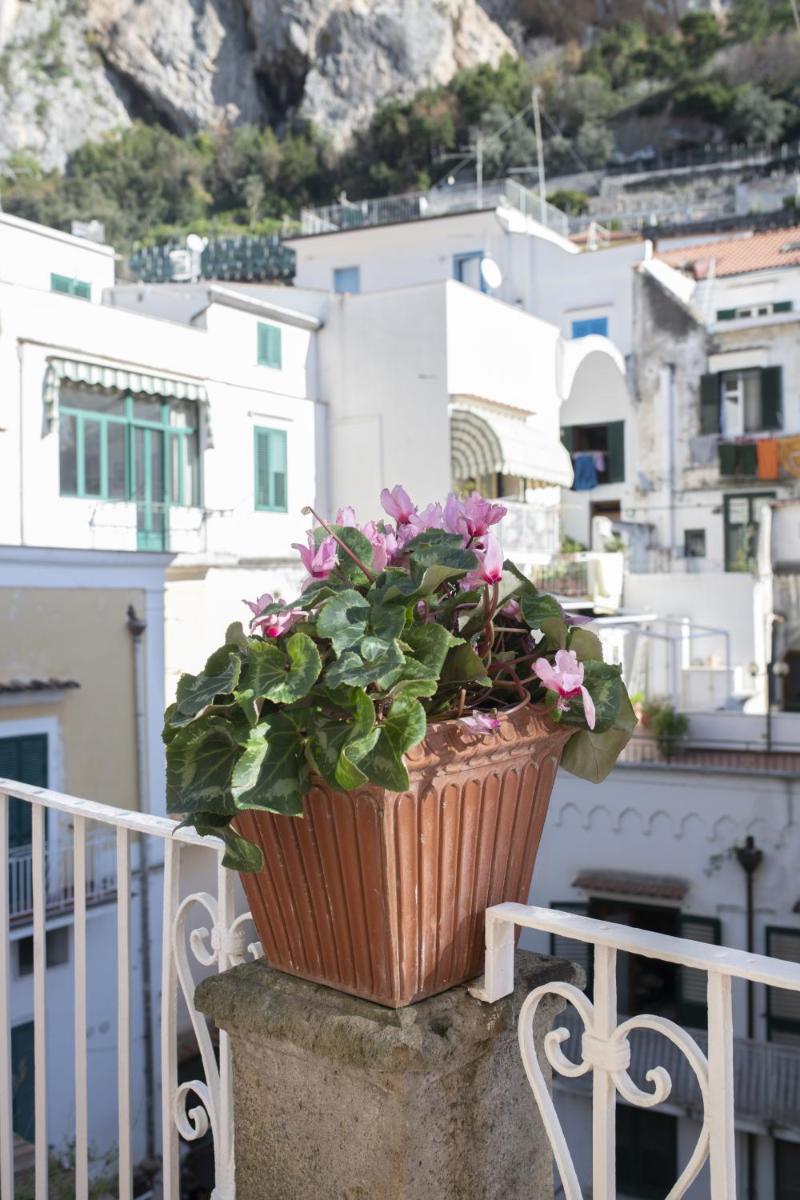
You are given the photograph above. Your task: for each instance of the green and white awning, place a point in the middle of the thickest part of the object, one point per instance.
(110, 377)
(486, 442)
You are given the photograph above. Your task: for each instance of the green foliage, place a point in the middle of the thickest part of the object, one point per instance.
(701, 36)
(755, 118)
(669, 727)
(362, 663)
(709, 99)
(570, 200)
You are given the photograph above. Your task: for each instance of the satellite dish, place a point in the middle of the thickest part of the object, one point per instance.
(491, 274)
(196, 243)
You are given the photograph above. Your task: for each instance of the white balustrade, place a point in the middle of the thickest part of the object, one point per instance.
(201, 931)
(95, 866)
(605, 1047)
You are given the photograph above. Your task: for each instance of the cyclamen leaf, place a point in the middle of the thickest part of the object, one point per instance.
(404, 727)
(592, 755)
(352, 671)
(335, 746)
(195, 692)
(200, 763)
(272, 773)
(463, 665)
(585, 643)
(240, 854)
(282, 673)
(539, 607)
(430, 644)
(387, 620)
(344, 619)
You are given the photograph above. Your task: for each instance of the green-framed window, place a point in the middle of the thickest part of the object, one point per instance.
(741, 516)
(647, 1152)
(271, 476)
(115, 446)
(270, 348)
(783, 1007)
(65, 285)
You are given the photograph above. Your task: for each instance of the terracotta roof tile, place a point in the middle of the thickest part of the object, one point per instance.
(736, 256)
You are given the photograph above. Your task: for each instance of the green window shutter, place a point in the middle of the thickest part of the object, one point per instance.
(726, 314)
(23, 759)
(692, 984)
(727, 458)
(771, 397)
(783, 1008)
(269, 345)
(709, 404)
(616, 452)
(574, 951)
(568, 437)
(746, 458)
(782, 306)
(67, 286)
(271, 477)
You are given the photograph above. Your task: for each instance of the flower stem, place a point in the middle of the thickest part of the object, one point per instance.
(309, 511)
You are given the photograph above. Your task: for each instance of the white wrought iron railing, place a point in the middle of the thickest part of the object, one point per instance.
(59, 880)
(605, 1048)
(199, 925)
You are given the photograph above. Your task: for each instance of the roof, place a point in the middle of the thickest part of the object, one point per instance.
(631, 883)
(14, 687)
(737, 256)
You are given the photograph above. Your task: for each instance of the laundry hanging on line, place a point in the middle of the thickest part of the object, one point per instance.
(585, 472)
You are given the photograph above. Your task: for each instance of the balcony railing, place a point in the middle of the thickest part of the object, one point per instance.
(195, 901)
(705, 754)
(59, 879)
(438, 202)
(605, 1045)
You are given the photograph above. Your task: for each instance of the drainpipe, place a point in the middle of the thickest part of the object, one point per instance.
(136, 628)
(750, 858)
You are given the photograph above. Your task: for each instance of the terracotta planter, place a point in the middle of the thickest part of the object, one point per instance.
(382, 894)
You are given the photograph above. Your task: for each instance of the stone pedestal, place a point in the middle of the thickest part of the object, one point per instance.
(337, 1098)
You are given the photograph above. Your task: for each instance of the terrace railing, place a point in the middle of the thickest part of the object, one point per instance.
(605, 1047)
(437, 202)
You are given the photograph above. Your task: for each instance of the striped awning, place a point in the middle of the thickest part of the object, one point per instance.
(111, 377)
(484, 442)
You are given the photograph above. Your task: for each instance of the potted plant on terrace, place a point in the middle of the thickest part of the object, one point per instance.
(378, 754)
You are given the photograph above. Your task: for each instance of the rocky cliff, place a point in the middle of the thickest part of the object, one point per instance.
(71, 69)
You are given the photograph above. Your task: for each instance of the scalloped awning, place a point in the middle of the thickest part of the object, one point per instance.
(483, 443)
(113, 377)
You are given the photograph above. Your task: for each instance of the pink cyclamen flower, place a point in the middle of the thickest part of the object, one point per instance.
(382, 545)
(478, 515)
(453, 513)
(430, 518)
(346, 516)
(490, 561)
(565, 678)
(512, 609)
(320, 560)
(273, 624)
(481, 722)
(397, 503)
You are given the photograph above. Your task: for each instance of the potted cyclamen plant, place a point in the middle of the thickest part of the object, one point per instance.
(412, 705)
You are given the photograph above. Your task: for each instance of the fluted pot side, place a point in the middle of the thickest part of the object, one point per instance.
(382, 894)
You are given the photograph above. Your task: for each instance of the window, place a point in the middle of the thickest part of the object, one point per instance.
(467, 269)
(269, 345)
(57, 950)
(741, 517)
(588, 325)
(647, 1152)
(70, 287)
(601, 449)
(739, 402)
(783, 1008)
(114, 446)
(347, 279)
(271, 484)
(754, 310)
(644, 984)
(787, 1170)
(694, 543)
(23, 758)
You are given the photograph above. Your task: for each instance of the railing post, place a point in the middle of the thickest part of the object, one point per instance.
(42, 1164)
(6, 1104)
(722, 1146)
(604, 1092)
(169, 1032)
